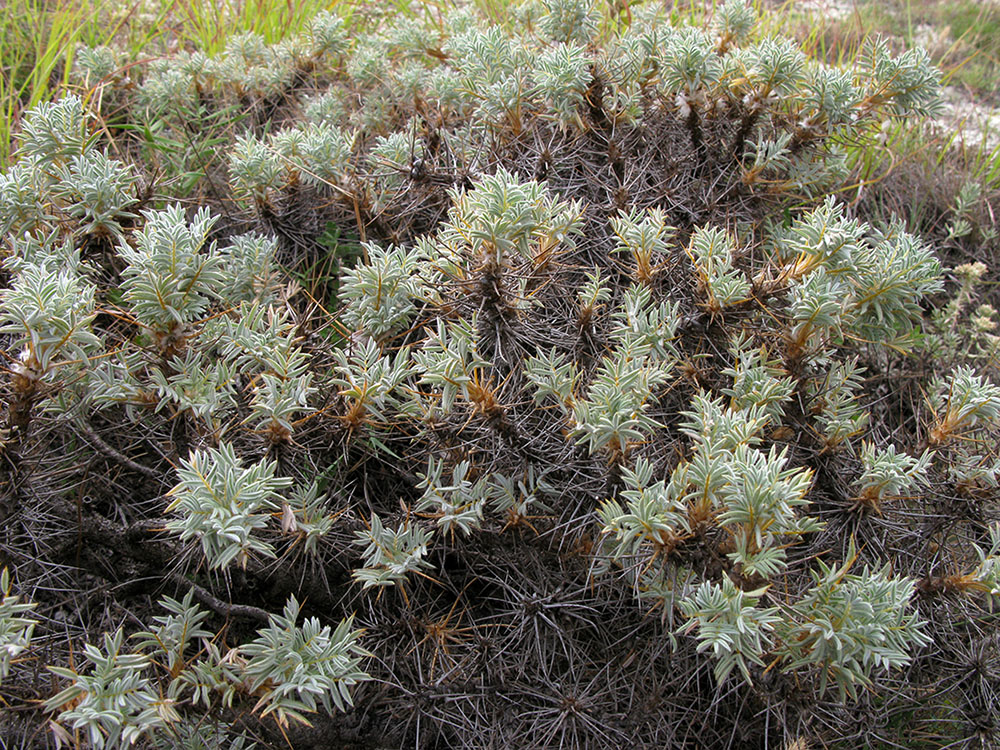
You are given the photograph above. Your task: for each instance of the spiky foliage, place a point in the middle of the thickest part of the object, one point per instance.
(455, 504)
(328, 35)
(713, 252)
(61, 177)
(504, 218)
(757, 382)
(759, 509)
(96, 63)
(645, 239)
(734, 21)
(297, 668)
(887, 473)
(986, 576)
(582, 328)
(962, 401)
(568, 21)
(116, 702)
(391, 555)
(449, 361)
(171, 274)
(655, 514)
(729, 623)
(904, 84)
(643, 326)
(613, 413)
(55, 132)
(850, 624)
(96, 191)
(836, 404)
(561, 78)
(383, 292)
(50, 312)
(15, 631)
(222, 503)
(290, 669)
(250, 263)
(494, 72)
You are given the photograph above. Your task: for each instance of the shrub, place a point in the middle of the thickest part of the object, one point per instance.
(615, 344)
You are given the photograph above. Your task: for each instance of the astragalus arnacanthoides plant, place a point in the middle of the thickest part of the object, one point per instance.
(478, 342)
(290, 669)
(49, 310)
(222, 503)
(61, 178)
(15, 630)
(171, 275)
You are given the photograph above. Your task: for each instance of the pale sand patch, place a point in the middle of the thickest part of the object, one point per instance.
(975, 125)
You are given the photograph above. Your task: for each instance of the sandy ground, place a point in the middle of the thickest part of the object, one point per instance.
(976, 125)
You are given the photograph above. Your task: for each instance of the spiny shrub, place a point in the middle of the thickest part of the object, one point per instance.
(617, 414)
